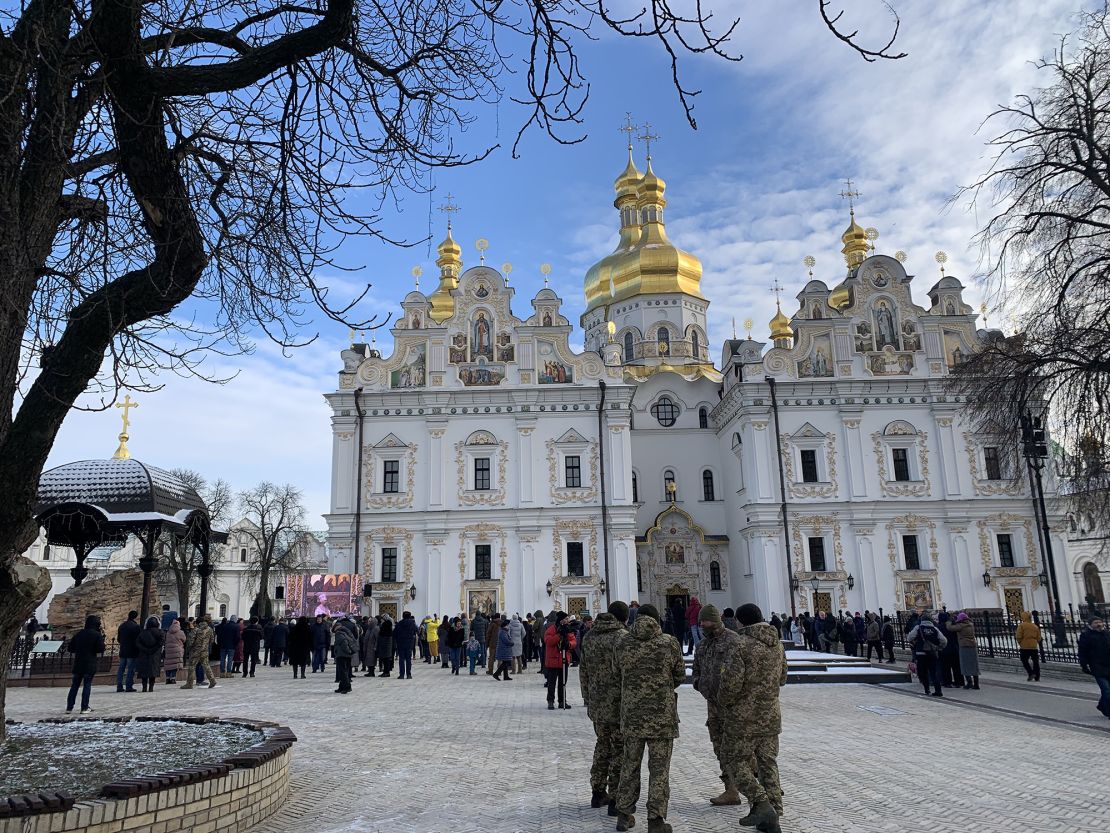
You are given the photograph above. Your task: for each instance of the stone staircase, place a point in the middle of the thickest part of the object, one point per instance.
(814, 667)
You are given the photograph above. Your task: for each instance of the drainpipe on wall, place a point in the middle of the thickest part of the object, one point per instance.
(782, 494)
(358, 481)
(604, 504)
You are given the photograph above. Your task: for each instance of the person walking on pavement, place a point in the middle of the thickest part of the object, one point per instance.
(1094, 658)
(600, 681)
(431, 628)
(516, 631)
(873, 634)
(717, 641)
(455, 638)
(227, 640)
(300, 647)
(197, 652)
(321, 641)
(504, 651)
(693, 623)
(651, 668)
(279, 641)
(1028, 637)
(887, 635)
(927, 643)
(126, 635)
(370, 645)
(559, 643)
(385, 644)
(493, 631)
(753, 671)
(962, 632)
(478, 627)
(344, 647)
(86, 645)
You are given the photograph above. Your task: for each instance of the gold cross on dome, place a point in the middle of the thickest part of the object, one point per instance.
(126, 405)
(776, 287)
(647, 137)
(629, 128)
(851, 195)
(449, 208)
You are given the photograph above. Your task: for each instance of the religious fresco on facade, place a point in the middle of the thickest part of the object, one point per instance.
(547, 318)
(886, 326)
(411, 374)
(917, 594)
(482, 600)
(327, 594)
(457, 351)
(482, 375)
(415, 321)
(911, 338)
(675, 553)
(889, 363)
(506, 350)
(551, 370)
(865, 341)
(819, 363)
(481, 337)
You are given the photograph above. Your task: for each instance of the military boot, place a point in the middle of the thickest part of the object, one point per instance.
(613, 807)
(658, 825)
(762, 817)
(625, 822)
(597, 799)
(729, 798)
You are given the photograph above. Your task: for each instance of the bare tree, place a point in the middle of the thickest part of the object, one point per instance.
(1047, 247)
(179, 564)
(275, 524)
(173, 175)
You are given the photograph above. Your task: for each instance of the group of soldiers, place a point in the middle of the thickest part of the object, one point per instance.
(629, 674)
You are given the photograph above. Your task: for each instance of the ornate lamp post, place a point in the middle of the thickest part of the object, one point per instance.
(1034, 444)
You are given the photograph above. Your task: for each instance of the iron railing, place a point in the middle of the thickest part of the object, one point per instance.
(25, 661)
(994, 634)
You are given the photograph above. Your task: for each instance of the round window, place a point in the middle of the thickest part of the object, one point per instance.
(665, 411)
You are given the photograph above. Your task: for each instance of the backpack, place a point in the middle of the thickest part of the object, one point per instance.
(929, 636)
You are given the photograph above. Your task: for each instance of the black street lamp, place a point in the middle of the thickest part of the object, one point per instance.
(851, 581)
(1034, 444)
(986, 578)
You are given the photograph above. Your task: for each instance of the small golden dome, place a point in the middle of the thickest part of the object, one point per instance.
(450, 265)
(628, 182)
(780, 326)
(856, 244)
(652, 189)
(840, 296)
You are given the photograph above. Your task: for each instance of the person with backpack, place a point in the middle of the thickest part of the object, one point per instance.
(927, 643)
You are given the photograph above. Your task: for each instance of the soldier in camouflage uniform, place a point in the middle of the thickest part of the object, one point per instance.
(708, 656)
(748, 698)
(651, 668)
(601, 692)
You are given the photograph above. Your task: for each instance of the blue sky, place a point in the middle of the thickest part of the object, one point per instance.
(751, 192)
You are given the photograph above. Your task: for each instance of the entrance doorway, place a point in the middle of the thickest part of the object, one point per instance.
(577, 605)
(1015, 602)
(388, 608)
(679, 598)
(822, 601)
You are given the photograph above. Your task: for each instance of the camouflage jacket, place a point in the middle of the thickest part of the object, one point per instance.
(201, 643)
(752, 672)
(598, 672)
(651, 669)
(708, 658)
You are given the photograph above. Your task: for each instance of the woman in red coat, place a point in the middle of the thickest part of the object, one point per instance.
(559, 645)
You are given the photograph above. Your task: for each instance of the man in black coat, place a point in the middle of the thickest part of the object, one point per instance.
(321, 641)
(404, 638)
(127, 636)
(279, 639)
(252, 639)
(1094, 658)
(86, 646)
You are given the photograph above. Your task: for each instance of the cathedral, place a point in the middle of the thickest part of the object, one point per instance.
(485, 464)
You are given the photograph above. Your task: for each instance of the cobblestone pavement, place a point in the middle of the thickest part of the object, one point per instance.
(459, 754)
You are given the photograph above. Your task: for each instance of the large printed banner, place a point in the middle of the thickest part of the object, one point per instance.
(331, 595)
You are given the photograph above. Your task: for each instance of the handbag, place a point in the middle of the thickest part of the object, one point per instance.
(912, 668)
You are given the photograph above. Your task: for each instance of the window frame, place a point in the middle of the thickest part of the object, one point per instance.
(669, 477)
(1012, 552)
(580, 555)
(992, 460)
(703, 417)
(629, 347)
(715, 575)
(905, 462)
(908, 538)
(809, 455)
(572, 464)
(708, 486)
(820, 541)
(242, 555)
(635, 488)
(388, 555)
(665, 404)
(483, 559)
(391, 478)
(481, 466)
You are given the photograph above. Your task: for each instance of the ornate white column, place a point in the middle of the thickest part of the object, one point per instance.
(766, 462)
(962, 574)
(526, 476)
(949, 465)
(854, 465)
(436, 473)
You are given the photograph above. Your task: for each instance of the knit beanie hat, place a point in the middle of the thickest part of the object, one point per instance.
(620, 610)
(709, 613)
(749, 614)
(650, 610)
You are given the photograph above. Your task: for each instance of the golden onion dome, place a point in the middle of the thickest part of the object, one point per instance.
(629, 180)
(856, 244)
(840, 296)
(450, 265)
(601, 277)
(780, 326)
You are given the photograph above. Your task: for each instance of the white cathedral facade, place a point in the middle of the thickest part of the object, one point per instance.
(486, 464)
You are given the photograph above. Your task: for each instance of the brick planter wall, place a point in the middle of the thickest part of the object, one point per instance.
(228, 797)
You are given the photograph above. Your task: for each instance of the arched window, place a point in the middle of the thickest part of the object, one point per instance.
(670, 488)
(635, 489)
(664, 340)
(714, 575)
(703, 417)
(1092, 584)
(223, 610)
(629, 346)
(695, 343)
(665, 411)
(707, 485)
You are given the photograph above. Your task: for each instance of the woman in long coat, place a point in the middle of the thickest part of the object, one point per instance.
(175, 651)
(516, 631)
(370, 645)
(385, 644)
(149, 643)
(300, 647)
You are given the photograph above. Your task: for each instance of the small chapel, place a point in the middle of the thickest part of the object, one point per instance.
(486, 465)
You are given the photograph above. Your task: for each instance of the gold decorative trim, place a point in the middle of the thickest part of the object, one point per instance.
(572, 530)
(384, 500)
(389, 536)
(561, 494)
(894, 488)
(1003, 522)
(482, 532)
(984, 487)
(493, 497)
(810, 490)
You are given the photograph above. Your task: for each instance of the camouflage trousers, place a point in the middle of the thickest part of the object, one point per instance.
(191, 670)
(659, 775)
(716, 732)
(605, 773)
(751, 762)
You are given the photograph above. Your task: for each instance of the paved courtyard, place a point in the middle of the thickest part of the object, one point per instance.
(448, 754)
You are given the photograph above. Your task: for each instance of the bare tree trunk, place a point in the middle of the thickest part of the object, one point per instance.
(23, 585)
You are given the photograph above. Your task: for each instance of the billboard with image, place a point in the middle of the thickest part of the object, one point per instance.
(332, 594)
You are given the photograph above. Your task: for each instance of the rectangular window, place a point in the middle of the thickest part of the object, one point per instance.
(575, 563)
(45, 552)
(909, 550)
(389, 563)
(994, 465)
(481, 473)
(707, 490)
(635, 489)
(817, 555)
(901, 463)
(1005, 551)
(809, 465)
(573, 465)
(242, 555)
(483, 562)
(391, 476)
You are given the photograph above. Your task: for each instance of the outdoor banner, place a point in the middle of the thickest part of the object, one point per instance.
(329, 594)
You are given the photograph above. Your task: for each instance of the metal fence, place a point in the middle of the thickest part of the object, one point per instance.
(25, 661)
(995, 634)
